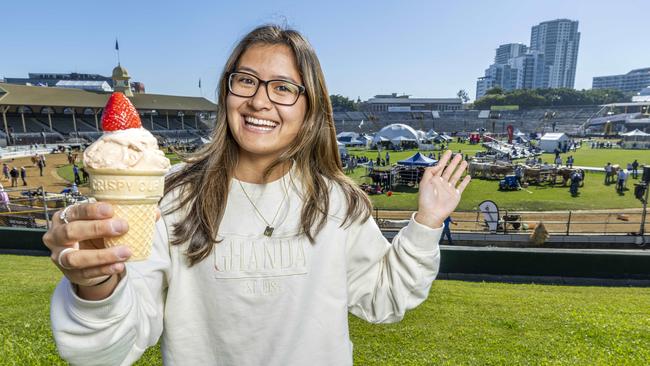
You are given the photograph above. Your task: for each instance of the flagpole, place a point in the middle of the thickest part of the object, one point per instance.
(117, 48)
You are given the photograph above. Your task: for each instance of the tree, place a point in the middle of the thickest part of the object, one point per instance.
(494, 91)
(343, 104)
(549, 97)
(462, 94)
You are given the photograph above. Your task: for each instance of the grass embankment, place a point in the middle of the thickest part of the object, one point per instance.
(459, 324)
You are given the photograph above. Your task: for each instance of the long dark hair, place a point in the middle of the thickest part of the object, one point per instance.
(204, 180)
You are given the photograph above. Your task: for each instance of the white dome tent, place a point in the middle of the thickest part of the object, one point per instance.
(397, 134)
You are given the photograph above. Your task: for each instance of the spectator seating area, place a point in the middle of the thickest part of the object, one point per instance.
(566, 119)
(63, 128)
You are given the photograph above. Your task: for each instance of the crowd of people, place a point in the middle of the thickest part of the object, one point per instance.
(616, 174)
(604, 144)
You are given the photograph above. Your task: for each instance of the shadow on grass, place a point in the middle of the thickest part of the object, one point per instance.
(405, 189)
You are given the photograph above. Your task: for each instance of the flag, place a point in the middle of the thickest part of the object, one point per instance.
(117, 46)
(361, 124)
(199, 83)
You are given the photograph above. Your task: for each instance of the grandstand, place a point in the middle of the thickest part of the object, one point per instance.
(568, 119)
(628, 116)
(33, 114)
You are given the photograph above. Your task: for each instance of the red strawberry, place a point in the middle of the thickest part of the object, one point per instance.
(119, 114)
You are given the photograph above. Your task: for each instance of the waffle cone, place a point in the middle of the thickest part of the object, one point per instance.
(141, 216)
(134, 196)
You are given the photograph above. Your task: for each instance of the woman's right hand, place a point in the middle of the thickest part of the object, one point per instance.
(88, 262)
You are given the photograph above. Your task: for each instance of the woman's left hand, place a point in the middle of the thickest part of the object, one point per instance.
(440, 190)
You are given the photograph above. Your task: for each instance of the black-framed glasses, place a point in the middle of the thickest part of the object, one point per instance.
(280, 92)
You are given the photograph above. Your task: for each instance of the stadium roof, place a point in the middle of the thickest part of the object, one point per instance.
(99, 85)
(414, 100)
(17, 95)
(627, 104)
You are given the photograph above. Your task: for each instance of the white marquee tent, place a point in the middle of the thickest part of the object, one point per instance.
(552, 141)
(396, 133)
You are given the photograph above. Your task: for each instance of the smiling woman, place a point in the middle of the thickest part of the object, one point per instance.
(265, 121)
(264, 244)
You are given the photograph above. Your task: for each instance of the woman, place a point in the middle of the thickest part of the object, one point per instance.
(4, 199)
(264, 244)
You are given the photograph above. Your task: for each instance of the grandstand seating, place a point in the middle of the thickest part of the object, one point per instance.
(85, 125)
(566, 119)
(63, 128)
(157, 125)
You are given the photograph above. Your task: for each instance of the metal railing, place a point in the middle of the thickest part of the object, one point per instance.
(32, 207)
(622, 222)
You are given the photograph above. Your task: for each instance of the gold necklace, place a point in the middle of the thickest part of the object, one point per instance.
(269, 226)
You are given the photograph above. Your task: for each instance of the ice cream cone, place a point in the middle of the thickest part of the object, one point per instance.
(134, 195)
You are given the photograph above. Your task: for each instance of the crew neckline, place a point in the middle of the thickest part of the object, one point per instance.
(287, 177)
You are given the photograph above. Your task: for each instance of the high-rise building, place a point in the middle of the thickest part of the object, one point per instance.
(550, 62)
(508, 51)
(558, 40)
(528, 71)
(633, 81)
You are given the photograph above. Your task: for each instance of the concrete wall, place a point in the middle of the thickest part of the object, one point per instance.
(587, 263)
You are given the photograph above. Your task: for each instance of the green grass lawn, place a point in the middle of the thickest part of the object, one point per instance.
(459, 324)
(594, 194)
(586, 156)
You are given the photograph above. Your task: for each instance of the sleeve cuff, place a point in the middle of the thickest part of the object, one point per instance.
(420, 237)
(116, 305)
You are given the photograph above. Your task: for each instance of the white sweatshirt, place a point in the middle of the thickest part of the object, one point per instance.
(255, 300)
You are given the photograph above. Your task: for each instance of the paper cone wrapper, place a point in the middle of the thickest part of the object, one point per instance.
(134, 195)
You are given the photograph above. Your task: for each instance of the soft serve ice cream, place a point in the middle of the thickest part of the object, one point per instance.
(134, 148)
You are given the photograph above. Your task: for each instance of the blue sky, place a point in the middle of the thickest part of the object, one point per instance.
(420, 48)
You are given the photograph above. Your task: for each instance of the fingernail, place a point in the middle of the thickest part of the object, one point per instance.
(119, 226)
(104, 209)
(123, 252)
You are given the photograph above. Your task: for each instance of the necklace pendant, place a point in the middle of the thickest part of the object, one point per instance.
(269, 230)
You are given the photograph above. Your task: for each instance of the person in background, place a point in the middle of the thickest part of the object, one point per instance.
(608, 173)
(519, 174)
(23, 175)
(620, 184)
(569, 161)
(629, 168)
(40, 165)
(75, 172)
(14, 176)
(446, 231)
(635, 167)
(4, 199)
